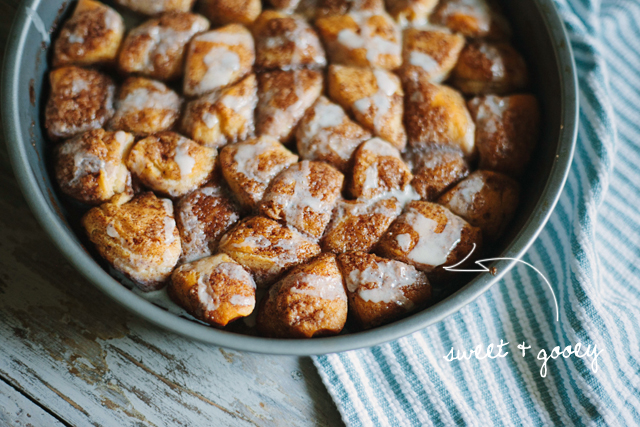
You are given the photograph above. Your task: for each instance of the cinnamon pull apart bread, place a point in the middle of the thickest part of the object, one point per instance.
(310, 301)
(380, 290)
(80, 100)
(374, 97)
(156, 49)
(216, 290)
(224, 116)
(267, 248)
(303, 196)
(429, 237)
(218, 58)
(154, 7)
(91, 167)
(327, 134)
(145, 106)
(171, 164)
(286, 42)
(223, 12)
(314, 162)
(250, 166)
(138, 237)
(203, 216)
(91, 36)
(485, 199)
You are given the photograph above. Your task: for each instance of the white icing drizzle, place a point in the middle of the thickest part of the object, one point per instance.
(169, 228)
(254, 242)
(404, 241)
(241, 300)
(235, 272)
(326, 115)
(324, 287)
(143, 98)
(208, 298)
(490, 113)
(304, 39)
(493, 55)
(389, 280)
(367, 39)
(424, 61)
(465, 193)
(247, 159)
(211, 121)
(433, 249)
(183, 159)
(380, 101)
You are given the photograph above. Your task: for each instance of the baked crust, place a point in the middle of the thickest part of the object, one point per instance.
(310, 301)
(138, 237)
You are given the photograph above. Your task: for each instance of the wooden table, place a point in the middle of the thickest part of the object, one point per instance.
(71, 356)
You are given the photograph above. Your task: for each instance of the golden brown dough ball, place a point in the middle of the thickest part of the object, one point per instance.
(145, 107)
(139, 237)
(286, 6)
(429, 237)
(326, 133)
(326, 8)
(361, 39)
(218, 58)
(203, 216)
(216, 290)
(91, 36)
(485, 199)
(485, 68)
(223, 117)
(377, 169)
(303, 196)
(308, 302)
(156, 49)
(286, 42)
(249, 166)
(380, 290)
(437, 114)
(437, 168)
(410, 12)
(266, 248)
(283, 98)
(171, 164)
(358, 225)
(154, 7)
(223, 12)
(374, 97)
(472, 18)
(430, 54)
(80, 100)
(91, 167)
(507, 131)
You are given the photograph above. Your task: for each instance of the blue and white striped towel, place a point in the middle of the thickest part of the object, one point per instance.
(588, 251)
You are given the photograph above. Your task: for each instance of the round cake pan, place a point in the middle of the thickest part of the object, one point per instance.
(538, 32)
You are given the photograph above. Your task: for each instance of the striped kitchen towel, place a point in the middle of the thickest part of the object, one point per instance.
(588, 251)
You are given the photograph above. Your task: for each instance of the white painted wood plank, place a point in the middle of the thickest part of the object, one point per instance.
(18, 411)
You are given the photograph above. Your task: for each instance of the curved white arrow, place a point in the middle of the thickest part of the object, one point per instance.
(484, 269)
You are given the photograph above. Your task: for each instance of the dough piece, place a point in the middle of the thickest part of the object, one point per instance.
(218, 58)
(139, 237)
(430, 54)
(216, 290)
(374, 97)
(157, 48)
(436, 168)
(249, 166)
(80, 100)
(145, 107)
(91, 167)
(91, 36)
(171, 164)
(267, 249)
(308, 302)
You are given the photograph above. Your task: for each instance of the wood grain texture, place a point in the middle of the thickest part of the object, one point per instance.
(89, 362)
(17, 410)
